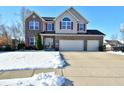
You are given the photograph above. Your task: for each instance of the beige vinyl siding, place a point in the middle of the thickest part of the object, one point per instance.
(57, 23)
(73, 19)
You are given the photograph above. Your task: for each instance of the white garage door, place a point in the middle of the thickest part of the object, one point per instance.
(71, 45)
(92, 45)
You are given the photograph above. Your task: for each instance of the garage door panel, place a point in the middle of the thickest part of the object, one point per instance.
(92, 45)
(71, 45)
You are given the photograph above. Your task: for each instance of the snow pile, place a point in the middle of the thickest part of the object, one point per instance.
(57, 61)
(118, 53)
(30, 60)
(43, 79)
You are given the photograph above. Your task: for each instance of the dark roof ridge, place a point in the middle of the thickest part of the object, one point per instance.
(48, 18)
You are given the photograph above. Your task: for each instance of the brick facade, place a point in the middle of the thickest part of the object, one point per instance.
(85, 38)
(32, 33)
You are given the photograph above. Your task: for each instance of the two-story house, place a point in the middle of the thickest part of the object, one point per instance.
(68, 31)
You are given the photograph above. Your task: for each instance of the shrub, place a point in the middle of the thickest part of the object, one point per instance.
(122, 49)
(21, 46)
(101, 48)
(30, 48)
(6, 48)
(104, 48)
(38, 42)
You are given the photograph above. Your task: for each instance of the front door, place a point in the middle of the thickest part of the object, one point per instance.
(49, 43)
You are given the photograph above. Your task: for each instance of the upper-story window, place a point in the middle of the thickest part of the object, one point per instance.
(66, 23)
(81, 27)
(49, 27)
(33, 25)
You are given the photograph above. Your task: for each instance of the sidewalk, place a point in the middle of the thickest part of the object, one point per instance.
(26, 73)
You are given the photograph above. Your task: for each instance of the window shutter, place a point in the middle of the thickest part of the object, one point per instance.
(52, 26)
(77, 26)
(84, 27)
(72, 25)
(46, 26)
(60, 25)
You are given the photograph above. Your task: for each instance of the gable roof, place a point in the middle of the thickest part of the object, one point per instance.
(113, 42)
(48, 18)
(69, 11)
(54, 18)
(78, 14)
(34, 13)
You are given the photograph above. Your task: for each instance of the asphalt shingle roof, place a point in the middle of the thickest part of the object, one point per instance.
(113, 42)
(94, 32)
(89, 32)
(48, 18)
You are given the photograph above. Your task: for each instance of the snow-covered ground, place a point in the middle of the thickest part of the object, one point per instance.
(42, 79)
(30, 60)
(118, 52)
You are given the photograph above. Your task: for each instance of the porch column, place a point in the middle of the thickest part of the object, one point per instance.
(85, 45)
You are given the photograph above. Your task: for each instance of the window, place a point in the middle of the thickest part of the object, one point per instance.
(66, 23)
(36, 25)
(32, 41)
(81, 27)
(49, 26)
(63, 25)
(33, 25)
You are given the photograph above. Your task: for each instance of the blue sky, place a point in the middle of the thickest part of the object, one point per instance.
(104, 18)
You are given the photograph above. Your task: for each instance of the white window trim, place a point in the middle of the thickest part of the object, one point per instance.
(80, 26)
(33, 24)
(48, 27)
(30, 24)
(66, 25)
(36, 22)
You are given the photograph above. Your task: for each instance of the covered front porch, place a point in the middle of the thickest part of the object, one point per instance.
(48, 42)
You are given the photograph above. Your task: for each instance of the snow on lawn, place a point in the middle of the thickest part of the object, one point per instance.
(118, 52)
(42, 79)
(30, 60)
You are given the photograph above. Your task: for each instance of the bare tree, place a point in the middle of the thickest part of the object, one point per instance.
(15, 30)
(23, 14)
(122, 31)
(114, 37)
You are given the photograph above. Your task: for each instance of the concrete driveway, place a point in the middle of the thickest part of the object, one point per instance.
(94, 68)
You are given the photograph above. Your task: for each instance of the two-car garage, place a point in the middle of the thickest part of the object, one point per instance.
(78, 45)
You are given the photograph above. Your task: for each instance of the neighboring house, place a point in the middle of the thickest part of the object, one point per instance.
(110, 44)
(68, 31)
(107, 46)
(122, 41)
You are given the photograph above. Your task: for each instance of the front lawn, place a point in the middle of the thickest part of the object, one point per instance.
(30, 60)
(43, 79)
